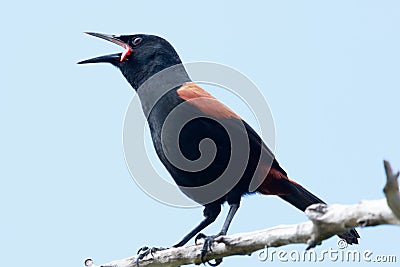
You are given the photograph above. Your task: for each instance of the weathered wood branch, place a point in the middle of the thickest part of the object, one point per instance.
(391, 189)
(325, 221)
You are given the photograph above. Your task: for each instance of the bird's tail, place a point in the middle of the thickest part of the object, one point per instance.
(301, 198)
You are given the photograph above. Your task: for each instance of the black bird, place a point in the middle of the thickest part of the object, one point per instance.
(199, 116)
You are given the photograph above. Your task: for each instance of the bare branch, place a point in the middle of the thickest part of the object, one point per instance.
(391, 189)
(325, 221)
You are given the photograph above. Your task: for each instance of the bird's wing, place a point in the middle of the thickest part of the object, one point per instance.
(210, 106)
(203, 100)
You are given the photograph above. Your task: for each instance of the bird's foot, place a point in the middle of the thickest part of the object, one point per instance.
(207, 246)
(351, 237)
(144, 251)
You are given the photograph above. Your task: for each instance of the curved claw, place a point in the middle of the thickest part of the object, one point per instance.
(144, 251)
(154, 250)
(199, 236)
(217, 262)
(207, 246)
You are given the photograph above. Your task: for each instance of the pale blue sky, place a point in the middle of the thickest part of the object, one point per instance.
(329, 69)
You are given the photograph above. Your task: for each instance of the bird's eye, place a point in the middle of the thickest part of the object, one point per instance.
(137, 41)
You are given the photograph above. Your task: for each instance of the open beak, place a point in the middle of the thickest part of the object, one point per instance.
(113, 58)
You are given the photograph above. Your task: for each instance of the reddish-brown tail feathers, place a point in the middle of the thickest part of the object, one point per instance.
(277, 183)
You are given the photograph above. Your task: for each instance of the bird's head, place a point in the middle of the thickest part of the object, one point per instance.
(143, 56)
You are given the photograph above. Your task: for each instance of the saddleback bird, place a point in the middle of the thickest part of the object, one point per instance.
(145, 56)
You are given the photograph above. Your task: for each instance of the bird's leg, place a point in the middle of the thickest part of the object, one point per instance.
(208, 240)
(232, 211)
(210, 212)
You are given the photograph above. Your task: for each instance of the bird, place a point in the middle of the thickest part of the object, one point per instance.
(174, 94)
